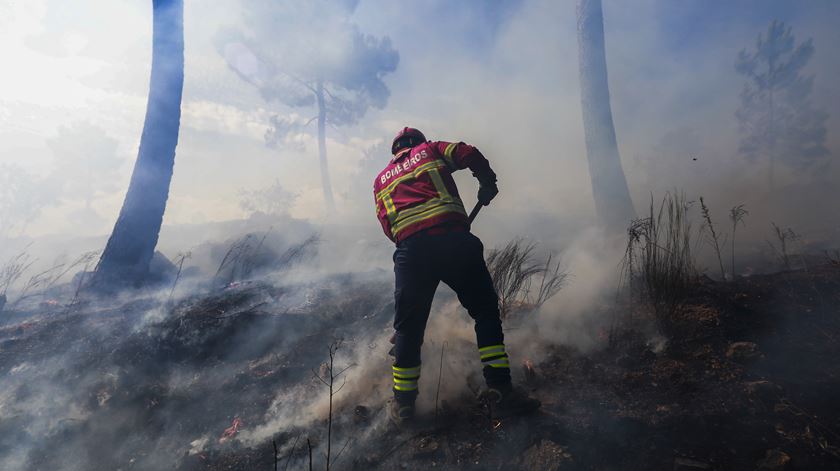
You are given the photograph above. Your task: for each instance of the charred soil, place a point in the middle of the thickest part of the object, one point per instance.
(746, 379)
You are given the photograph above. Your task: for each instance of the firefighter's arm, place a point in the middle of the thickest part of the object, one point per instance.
(459, 155)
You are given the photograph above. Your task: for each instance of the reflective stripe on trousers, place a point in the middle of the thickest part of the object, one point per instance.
(494, 356)
(405, 379)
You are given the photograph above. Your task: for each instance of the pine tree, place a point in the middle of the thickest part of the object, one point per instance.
(777, 121)
(125, 260)
(308, 54)
(613, 205)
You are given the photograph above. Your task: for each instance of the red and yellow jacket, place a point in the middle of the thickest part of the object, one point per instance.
(416, 190)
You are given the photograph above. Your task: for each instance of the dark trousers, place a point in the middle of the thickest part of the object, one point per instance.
(421, 262)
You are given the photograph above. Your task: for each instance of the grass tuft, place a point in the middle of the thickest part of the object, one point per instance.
(514, 270)
(658, 264)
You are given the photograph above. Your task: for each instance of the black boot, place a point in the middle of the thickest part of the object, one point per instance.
(401, 414)
(507, 400)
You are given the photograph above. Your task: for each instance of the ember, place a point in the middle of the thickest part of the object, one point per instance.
(231, 431)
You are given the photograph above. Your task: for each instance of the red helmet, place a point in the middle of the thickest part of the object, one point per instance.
(408, 137)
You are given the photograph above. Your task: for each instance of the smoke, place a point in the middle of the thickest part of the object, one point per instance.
(284, 50)
(502, 77)
(673, 101)
(178, 372)
(174, 370)
(21, 200)
(578, 315)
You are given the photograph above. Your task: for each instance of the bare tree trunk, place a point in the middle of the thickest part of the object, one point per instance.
(322, 149)
(125, 260)
(613, 205)
(771, 128)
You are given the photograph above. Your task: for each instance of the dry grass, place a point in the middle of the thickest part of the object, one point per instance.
(515, 269)
(248, 255)
(714, 239)
(13, 270)
(179, 261)
(299, 252)
(232, 266)
(736, 216)
(40, 282)
(658, 264)
(86, 260)
(784, 237)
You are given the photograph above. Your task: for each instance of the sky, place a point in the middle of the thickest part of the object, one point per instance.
(501, 75)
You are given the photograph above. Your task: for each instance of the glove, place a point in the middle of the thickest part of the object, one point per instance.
(487, 189)
(486, 193)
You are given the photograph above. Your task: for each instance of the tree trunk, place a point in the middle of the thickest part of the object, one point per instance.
(771, 141)
(613, 205)
(329, 202)
(125, 260)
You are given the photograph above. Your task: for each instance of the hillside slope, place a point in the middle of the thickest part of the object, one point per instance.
(748, 379)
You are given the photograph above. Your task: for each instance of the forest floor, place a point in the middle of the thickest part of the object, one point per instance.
(748, 379)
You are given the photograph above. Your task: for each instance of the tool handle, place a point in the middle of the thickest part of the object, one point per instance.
(475, 211)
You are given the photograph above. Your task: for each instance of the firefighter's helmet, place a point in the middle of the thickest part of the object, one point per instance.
(407, 137)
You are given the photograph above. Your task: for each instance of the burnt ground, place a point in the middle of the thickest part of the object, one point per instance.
(748, 379)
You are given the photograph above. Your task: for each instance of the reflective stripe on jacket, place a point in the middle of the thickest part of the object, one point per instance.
(416, 190)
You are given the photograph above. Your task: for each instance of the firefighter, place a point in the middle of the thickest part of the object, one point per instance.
(418, 205)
